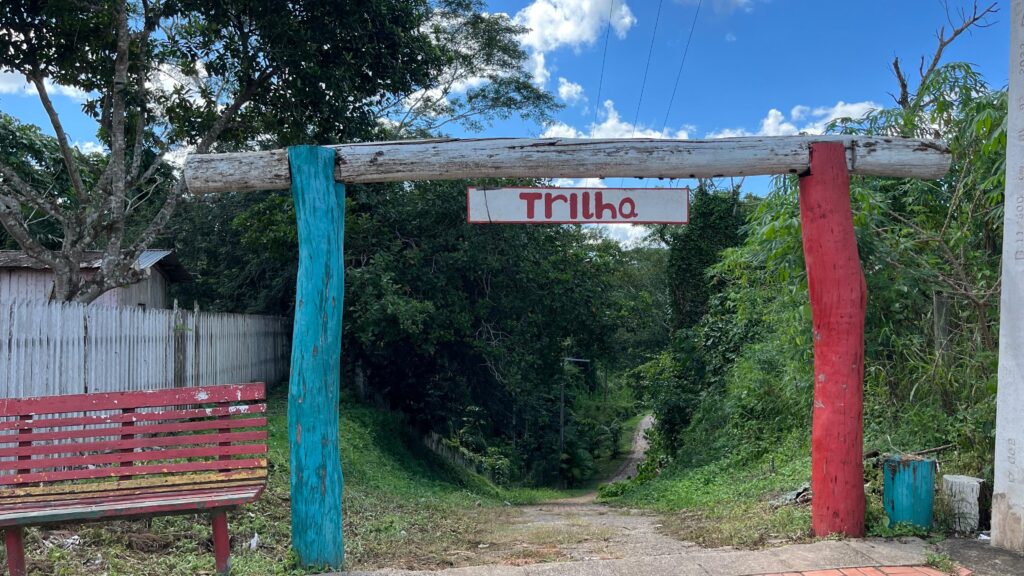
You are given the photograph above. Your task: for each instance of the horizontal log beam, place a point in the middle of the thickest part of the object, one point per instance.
(451, 159)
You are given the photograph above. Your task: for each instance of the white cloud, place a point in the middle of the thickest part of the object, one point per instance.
(90, 147)
(570, 92)
(730, 37)
(726, 7)
(12, 83)
(553, 24)
(628, 235)
(579, 183)
(556, 23)
(613, 126)
(812, 121)
(538, 68)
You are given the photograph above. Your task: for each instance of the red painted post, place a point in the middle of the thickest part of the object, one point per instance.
(15, 551)
(221, 543)
(838, 294)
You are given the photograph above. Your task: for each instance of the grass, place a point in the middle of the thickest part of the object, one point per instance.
(403, 509)
(728, 502)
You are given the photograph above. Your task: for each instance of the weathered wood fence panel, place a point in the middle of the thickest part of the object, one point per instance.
(65, 348)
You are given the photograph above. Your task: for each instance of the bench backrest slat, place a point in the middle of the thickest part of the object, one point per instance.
(124, 429)
(118, 437)
(29, 423)
(118, 472)
(70, 403)
(157, 442)
(149, 456)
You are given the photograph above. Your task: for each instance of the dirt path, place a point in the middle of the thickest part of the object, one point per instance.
(636, 455)
(578, 537)
(580, 529)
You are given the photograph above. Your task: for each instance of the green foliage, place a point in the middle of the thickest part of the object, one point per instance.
(726, 502)
(736, 383)
(677, 379)
(715, 221)
(462, 327)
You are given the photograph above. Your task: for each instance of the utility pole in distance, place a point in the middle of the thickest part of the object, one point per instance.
(561, 407)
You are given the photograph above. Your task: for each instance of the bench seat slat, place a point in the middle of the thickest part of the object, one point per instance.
(133, 417)
(58, 476)
(147, 456)
(135, 430)
(187, 440)
(125, 496)
(71, 403)
(156, 504)
(259, 474)
(17, 502)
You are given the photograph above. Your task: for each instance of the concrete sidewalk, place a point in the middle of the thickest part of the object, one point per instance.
(798, 558)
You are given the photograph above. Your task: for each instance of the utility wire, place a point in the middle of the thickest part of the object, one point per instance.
(679, 74)
(643, 84)
(604, 56)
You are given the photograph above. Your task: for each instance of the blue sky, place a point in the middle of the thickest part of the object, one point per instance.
(753, 66)
(746, 57)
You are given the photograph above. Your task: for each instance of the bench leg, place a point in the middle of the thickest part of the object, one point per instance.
(221, 544)
(15, 551)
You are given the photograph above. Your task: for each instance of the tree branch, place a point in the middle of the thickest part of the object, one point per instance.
(966, 22)
(14, 223)
(904, 98)
(62, 138)
(26, 194)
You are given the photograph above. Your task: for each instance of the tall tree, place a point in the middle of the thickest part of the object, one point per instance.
(166, 77)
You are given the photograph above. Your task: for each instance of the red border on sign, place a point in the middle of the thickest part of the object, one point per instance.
(686, 200)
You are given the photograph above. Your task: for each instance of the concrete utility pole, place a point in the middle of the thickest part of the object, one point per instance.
(1008, 490)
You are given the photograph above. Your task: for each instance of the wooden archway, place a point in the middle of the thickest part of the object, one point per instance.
(316, 176)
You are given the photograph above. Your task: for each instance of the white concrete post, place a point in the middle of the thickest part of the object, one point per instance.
(1008, 489)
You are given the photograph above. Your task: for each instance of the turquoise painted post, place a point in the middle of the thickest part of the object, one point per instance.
(908, 490)
(313, 390)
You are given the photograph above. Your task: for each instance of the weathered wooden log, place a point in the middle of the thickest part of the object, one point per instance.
(963, 493)
(313, 389)
(838, 297)
(450, 159)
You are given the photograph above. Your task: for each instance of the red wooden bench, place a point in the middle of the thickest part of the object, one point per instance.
(92, 457)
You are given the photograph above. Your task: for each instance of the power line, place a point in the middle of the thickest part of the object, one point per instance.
(679, 74)
(604, 56)
(643, 84)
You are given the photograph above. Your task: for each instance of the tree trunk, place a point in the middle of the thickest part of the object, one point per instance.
(313, 390)
(838, 295)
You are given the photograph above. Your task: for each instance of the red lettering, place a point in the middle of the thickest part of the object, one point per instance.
(601, 206)
(627, 201)
(549, 201)
(530, 198)
(588, 214)
(573, 207)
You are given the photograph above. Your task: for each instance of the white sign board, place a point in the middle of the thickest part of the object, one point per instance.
(578, 205)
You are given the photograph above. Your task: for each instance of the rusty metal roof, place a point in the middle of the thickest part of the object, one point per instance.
(164, 260)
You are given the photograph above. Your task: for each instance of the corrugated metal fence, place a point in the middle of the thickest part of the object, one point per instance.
(65, 348)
